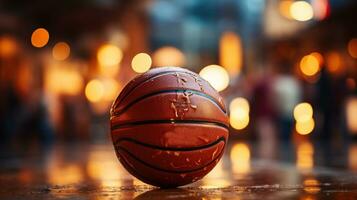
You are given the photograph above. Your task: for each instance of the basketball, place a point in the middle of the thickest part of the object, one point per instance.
(169, 127)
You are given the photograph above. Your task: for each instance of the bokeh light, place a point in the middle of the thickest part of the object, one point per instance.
(111, 89)
(351, 114)
(352, 158)
(168, 56)
(303, 112)
(109, 56)
(239, 103)
(102, 90)
(64, 174)
(312, 186)
(57, 171)
(239, 113)
(63, 80)
(231, 53)
(216, 75)
(40, 37)
(304, 156)
(352, 47)
(319, 57)
(240, 158)
(238, 122)
(284, 8)
(94, 90)
(8, 46)
(351, 83)
(301, 11)
(305, 127)
(321, 9)
(309, 65)
(141, 62)
(102, 167)
(334, 62)
(61, 51)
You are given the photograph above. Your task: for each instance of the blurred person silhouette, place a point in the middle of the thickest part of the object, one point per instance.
(74, 121)
(287, 93)
(262, 106)
(329, 102)
(23, 112)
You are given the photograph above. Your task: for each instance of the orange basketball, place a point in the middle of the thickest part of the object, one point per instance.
(169, 127)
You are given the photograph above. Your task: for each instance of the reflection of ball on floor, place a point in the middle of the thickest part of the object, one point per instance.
(176, 193)
(169, 127)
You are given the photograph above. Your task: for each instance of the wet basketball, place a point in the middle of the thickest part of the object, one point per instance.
(169, 127)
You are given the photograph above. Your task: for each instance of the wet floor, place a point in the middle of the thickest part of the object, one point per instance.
(301, 170)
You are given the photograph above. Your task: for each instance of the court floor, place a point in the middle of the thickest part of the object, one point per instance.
(278, 170)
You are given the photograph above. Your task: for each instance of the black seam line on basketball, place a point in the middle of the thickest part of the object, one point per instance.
(171, 148)
(145, 80)
(166, 170)
(134, 172)
(148, 79)
(139, 175)
(168, 121)
(196, 92)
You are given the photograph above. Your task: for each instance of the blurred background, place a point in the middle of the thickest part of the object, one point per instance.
(287, 69)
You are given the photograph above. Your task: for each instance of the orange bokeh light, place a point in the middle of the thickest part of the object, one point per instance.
(40, 37)
(61, 51)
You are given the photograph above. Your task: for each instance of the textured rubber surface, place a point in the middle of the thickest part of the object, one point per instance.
(169, 127)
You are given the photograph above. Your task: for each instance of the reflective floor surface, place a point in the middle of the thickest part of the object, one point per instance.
(300, 170)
